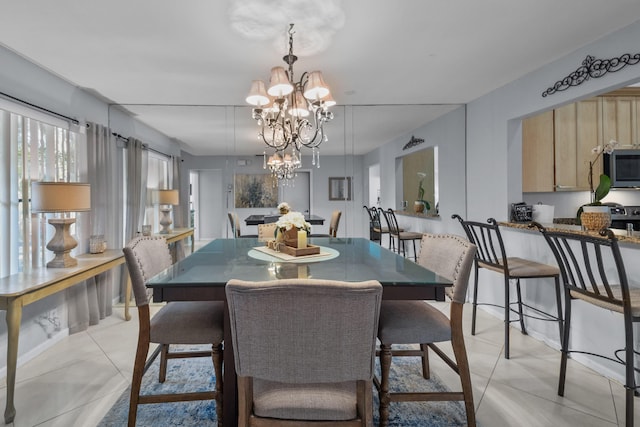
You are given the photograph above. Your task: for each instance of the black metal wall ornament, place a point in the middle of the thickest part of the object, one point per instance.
(413, 142)
(593, 68)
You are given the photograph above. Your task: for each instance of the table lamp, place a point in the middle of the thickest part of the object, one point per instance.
(166, 198)
(58, 197)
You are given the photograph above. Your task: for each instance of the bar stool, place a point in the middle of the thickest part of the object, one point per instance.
(592, 271)
(396, 233)
(492, 256)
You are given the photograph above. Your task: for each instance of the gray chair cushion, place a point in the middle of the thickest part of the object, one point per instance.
(327, 401)
(412, 322)
(188, 323)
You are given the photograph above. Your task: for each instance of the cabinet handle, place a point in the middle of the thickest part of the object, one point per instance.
(565, 187)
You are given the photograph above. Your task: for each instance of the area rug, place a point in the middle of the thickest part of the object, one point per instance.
(196, 374)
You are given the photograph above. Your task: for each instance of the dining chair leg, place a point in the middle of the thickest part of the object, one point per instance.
(507, 317)
(216, 356)
(138, 367)
(519, 293)
(415, 254)
(426, 373)
(383, 395)
(460, 353)
(164, 353)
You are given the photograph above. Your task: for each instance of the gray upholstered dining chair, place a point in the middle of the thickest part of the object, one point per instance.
(266, 231)
(333, 225)
(304, 351)
(417, 322)
(593, 272)
(175, 323)
(234, 221)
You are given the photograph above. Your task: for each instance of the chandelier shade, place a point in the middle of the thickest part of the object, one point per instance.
(258, 94)
(291, 114)
(316, 87)
(279, 84)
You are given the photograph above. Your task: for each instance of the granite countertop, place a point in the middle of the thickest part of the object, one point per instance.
(620, 234)
(417, 215)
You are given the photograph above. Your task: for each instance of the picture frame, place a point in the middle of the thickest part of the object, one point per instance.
(340, 188)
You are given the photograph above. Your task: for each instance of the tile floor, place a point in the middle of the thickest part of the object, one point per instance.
(75, 382)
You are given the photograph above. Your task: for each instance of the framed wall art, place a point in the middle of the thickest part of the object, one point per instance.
(256, 191)
(340, 188)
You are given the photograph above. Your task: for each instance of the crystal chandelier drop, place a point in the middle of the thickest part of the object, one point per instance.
(291, 114)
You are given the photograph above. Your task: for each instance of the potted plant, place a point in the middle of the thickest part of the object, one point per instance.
(420, 205)
(600, 192)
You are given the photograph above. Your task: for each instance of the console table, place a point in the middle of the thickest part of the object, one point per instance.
(19, 290)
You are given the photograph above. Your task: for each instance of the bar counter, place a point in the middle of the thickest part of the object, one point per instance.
(620, 234)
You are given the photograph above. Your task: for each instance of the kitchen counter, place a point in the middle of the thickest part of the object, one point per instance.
(417, 215)
(620, 234)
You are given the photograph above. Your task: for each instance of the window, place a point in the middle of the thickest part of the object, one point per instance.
(33, 150)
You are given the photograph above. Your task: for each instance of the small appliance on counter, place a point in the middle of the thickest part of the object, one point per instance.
(521, 212)
(543, 213)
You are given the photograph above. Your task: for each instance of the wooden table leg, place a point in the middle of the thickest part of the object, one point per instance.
(14, 316)
(127, 298)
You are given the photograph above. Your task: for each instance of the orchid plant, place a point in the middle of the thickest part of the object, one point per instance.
(420, 198)
(604, 185)
(601, 191)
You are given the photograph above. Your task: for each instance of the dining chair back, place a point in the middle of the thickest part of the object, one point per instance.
(335, 221)
(174, 323)
(593, 271)
(417, 322)
(266, 231)
(234, 221)
(309, 360)
(491, 255)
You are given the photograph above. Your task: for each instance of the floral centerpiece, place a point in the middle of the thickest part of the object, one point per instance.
(284, 208)
(287, 228)
(420, 204)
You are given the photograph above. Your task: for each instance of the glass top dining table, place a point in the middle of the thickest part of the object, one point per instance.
(202, 276)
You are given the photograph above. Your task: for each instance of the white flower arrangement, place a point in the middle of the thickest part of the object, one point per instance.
(291, 220)
(284, 206)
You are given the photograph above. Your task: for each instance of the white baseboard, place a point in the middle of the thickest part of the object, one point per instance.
(39, 349)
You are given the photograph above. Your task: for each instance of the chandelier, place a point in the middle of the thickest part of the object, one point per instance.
(291, 115)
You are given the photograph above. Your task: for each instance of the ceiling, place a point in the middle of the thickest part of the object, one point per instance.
(185, 67)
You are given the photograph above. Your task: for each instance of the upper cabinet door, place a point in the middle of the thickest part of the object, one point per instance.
(537, 153)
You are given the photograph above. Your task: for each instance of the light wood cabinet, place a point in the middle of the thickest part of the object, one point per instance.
(577, 130)
(538, 153)
(621, 119)
(556, 147)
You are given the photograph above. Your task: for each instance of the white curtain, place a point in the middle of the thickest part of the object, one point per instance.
(137, 163)
(92, 301)
(180, 220)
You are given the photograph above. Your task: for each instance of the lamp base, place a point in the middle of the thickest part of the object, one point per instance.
(62, 243)
(165, 221)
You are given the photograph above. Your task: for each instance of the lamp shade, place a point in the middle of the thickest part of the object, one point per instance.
(279, 84)
(299, 105)
(315, 88)
(167, 197)
(257, 94)
(60, 197)
(328, 101)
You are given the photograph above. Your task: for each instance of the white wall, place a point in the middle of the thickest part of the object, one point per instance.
(448, 134)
